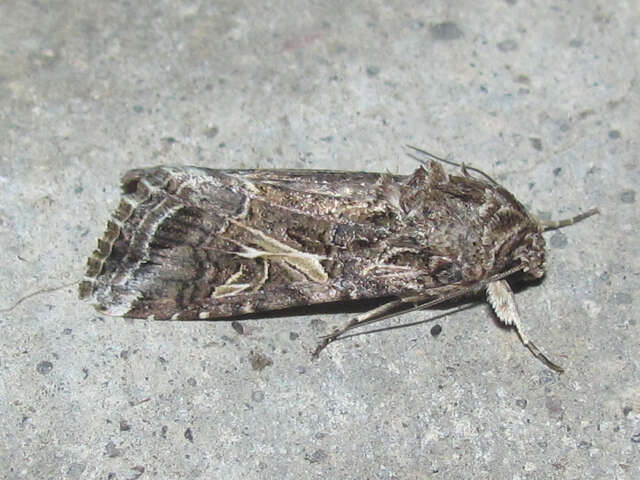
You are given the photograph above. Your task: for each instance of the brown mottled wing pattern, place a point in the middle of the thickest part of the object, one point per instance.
(188, 243)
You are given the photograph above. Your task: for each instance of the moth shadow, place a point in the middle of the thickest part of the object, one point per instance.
(329, 308)
(363, 305)
(358, 307)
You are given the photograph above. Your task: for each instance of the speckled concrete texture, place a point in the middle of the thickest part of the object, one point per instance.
(542, 95)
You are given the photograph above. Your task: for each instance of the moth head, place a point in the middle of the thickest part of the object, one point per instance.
(531, 254)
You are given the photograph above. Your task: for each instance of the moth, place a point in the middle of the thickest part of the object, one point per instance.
(190, 243)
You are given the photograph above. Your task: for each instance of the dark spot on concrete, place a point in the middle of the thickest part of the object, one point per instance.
(628, 196)
(211, 132)
(557, 171)
(67, 331)
(138, 108)
(613, 104)
(259, 361)
(192, 382)
(626, 410)
(445, 31)
(584, 444)
(508, 45)
(522, 403)
(554, 406)
(316, 457)
(318, 325)
(327, 139)
(257, 396)
(139, 469)
(622, 298)
(558, 240)
(44, 367)
(237, 326)
(586, 113)
(575, 43)
(169, 140)
(635, 438)
(188, 434)
(163, 431)
(372, 71)
(124, 354)
(78, 189)
(293, 336)
(605, 277)
(523, 79)
(536, 143)
(112, 451)
(124, 426)
(614, 134)
(484, 89)
(564, 127)
(75, 470)
(436, 330)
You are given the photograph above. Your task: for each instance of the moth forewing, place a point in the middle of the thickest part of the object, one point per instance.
(195, 243)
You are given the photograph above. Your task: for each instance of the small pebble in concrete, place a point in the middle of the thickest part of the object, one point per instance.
(44, 367)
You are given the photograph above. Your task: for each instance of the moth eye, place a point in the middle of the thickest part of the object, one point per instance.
(531, 254)
(449, 275)
(472, 271)
(443, 270)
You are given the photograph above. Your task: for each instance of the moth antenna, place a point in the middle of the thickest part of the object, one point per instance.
(555, 224)
(36, 293)
(464, 167)
(502, 300)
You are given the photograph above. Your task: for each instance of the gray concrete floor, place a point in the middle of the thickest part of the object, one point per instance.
(543, 95)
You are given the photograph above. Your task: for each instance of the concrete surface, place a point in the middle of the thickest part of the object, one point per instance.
(543, 95)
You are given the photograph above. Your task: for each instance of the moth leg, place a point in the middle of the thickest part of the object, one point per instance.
(555, 224)
(333, 336)
(391, 309)
(502, 300)
(354, 322)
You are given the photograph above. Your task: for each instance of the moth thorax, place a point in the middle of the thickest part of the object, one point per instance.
(531, 254)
